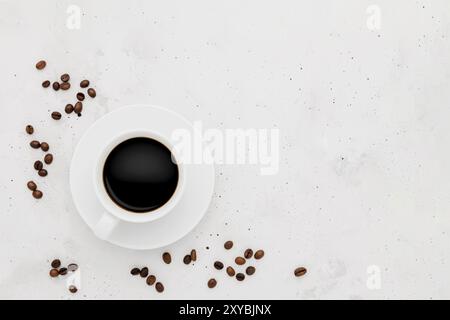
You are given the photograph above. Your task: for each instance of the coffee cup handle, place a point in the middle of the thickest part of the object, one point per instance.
(105, 226)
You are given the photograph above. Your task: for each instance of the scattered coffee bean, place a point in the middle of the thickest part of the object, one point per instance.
(144, 272)
(239, 261)
(31, 185)
(91, 92)
(212, 283)
(228, 245)
(151, 280)
(65, 86)
(218, 265)
(65, 77)
(41, 64)
(37, 194)
(187, 259)
(29, 129)
(35, 144)
(78, 107)
(69, 108)
(73, 289)
(56, 263)
(159, 287)
(54, 273)
(44, 146)
(72, 267)
(250, 270)
(248, 253)
(56, 115)
(230, 271)
(300, 271)
(84, 84)
(42, 172)
(56, 86)
(167, 258)
(240, 276)
(135, 271)
(62, 271)
(194, 255)
(80, 96)
(46, 84)
(38, 165)
(48, 158)
(259, 254)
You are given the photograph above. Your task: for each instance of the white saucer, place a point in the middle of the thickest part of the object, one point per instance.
(199, 183)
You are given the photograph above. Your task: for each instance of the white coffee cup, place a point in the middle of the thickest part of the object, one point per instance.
(113, 213)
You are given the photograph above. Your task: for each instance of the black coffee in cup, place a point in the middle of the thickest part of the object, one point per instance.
(140, 175)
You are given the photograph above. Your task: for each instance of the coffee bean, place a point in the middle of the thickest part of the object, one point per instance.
(31, 185)
(69, 108)
(44, 146)
(167, 257)
(240, 276)
(230, 271)
(56, 263)
(41, 64)
(218, 265)
(73, 289)
(72, 267)
(135, 271)
(38, 165)
(228, 245)
(35, 144)
(187, 259)
(80, 96)
(78, 107)
(42, 172)
(65, 77)
(239, 261)
(29, 129)
(84, 83)
(159, 287)
(248, 253)
(250, 270)
(62, 271)
(46, 84)
(48, 158)
(37, 194)
(144, 272)
(259, 254)
(54, 273)
(194, 255)
(91, 92)
(65, 86)
(300, 271)
(56, 86)
(212, 283)
(150, 280)
(56, 115)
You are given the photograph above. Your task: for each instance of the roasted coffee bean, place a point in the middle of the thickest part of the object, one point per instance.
(144, 272)
(159, 287)
(91, 92)
(259, 254)
(46, 84)
(218, 265)
(56, 86)
(135, 271)
(228, 245)
(69, 108)
(44, 146)
(35, 144)
(212, 283)
(239, 261)
(248, 253)
(167, 258)
(31, 185)
(194, 255)
(56, 263)
(73, 289)
(240, 276)
(29, 129)
(48, 158)
(65, 77)
(187, 259)
(56, 115)
(84, 83)
(80, 96)
(65, 86)
(78, 107)
(300, 271)
(38, 165)
(62, 271)
(42, 172)
(41, 64)
(250, 270)
(151, 280)
(230, 271)
(54, 273)
(37, 194)
(72, 267)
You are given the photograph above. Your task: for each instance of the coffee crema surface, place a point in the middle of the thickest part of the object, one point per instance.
(139, 174)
